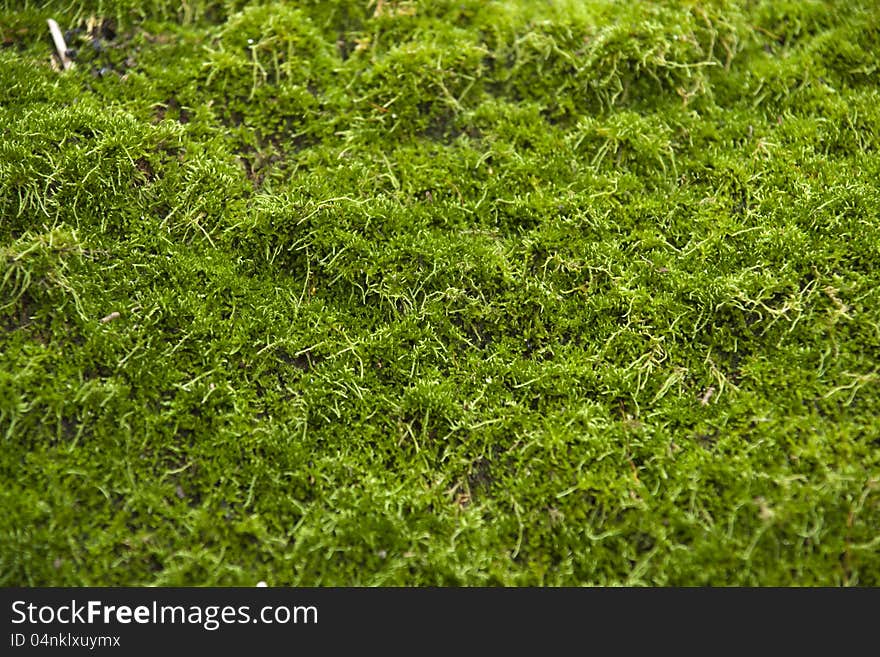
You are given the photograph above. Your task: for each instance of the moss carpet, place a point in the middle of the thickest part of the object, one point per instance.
(440, 293)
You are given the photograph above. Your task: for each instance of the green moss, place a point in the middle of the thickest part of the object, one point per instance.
(440, 293)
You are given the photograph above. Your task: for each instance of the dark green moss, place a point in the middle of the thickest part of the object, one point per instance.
(456, 293)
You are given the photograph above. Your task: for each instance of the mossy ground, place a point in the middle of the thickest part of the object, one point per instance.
(440, 293)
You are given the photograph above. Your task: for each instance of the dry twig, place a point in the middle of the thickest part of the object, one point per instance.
(60, 44)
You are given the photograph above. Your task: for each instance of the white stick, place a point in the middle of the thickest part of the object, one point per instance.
(60, 45)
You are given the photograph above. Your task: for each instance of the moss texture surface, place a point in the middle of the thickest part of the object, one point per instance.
(440, 293)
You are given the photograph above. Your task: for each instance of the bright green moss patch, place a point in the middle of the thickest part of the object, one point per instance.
(456, 293)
